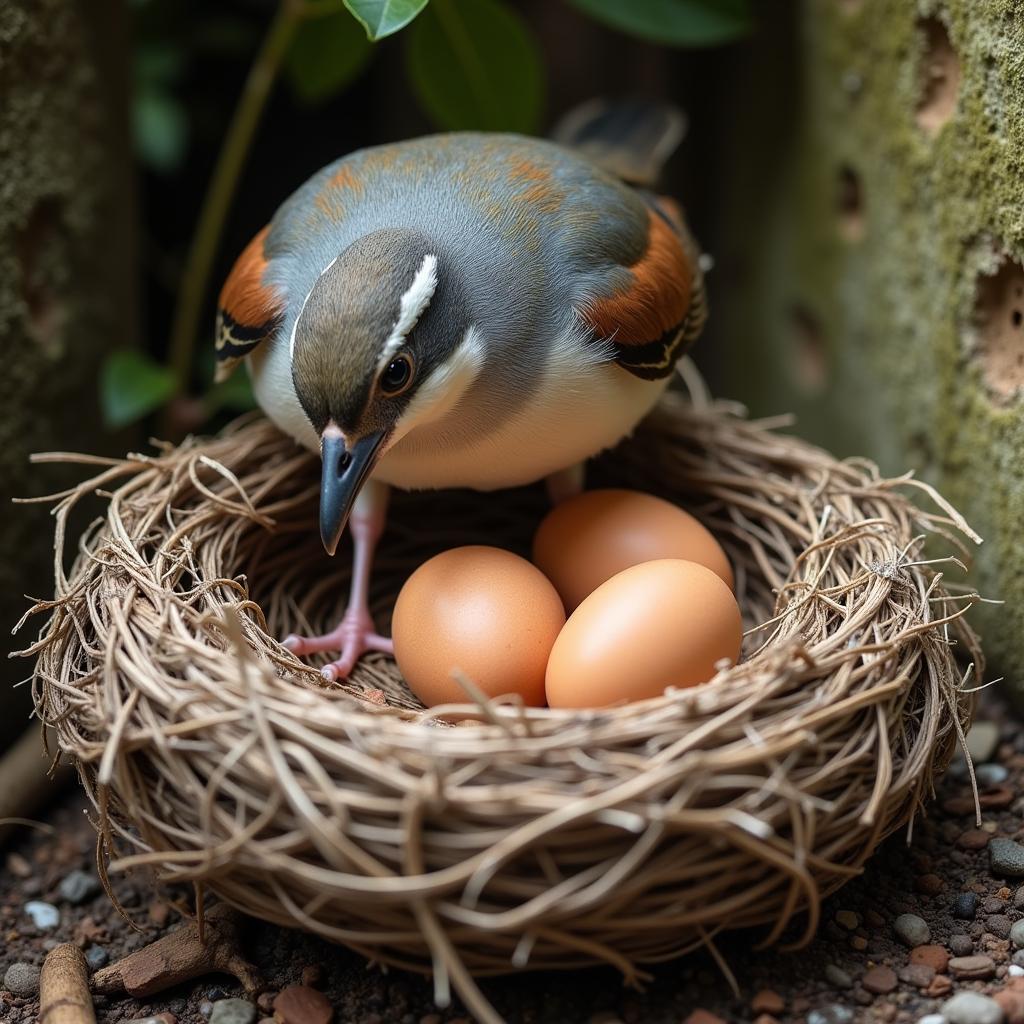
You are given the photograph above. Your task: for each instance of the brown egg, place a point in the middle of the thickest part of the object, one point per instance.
(658, 624)
(589, 538)
(484, 611)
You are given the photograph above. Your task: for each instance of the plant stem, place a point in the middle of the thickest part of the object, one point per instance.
(221, 189)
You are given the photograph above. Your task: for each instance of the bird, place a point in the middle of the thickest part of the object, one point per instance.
(465, 309)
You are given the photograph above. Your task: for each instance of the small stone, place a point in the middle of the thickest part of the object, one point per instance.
(960, 945)
(996, 797)
(982, 740)
(233, 1011)
(998, 925)
(972, 968)
(265, 1002)
(934, 957)
(700, 1016)
(1011, 1002)
(911, 930)
(931, 1018)
(18, 866)
(45, 916)
(973, 839)
(156, 1018)
(300, 1004)
(837, 977)
(992, 905)
(1006, 857)
(972, 1008)
(990, 774)
(929, 885)
(1018, 957)
(940, 986)
(859, 943)
(1017, 935)
(768, 1001)
(96, 957)
(766, 1018)
(880, 980)
(847, 919)
(22, 980)
(312, 975)
(918, 975)
(205, 1008)
(1015, 971)
(834, 1014)
(965, 905)
(873, 918)
(78, 886)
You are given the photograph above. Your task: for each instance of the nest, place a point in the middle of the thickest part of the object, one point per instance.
(520, 838)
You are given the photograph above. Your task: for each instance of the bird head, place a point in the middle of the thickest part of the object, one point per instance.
(382, 343)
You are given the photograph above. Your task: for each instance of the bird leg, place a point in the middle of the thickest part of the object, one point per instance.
(566, 483)
(355, 634)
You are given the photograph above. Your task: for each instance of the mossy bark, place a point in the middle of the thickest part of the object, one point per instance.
(66, 280)
(875, 186)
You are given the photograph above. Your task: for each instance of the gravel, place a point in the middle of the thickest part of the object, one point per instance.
(834, 1014)
(961, 945)
(837, 976)
(972, 1008)
(912, 930)
(990, 775)
(22, 980)
(233, 1011)
(965, 906)
(45, 916)
(78, 886)
(982, 740)
(1006, 857)
(1017, 935)
(96, 957)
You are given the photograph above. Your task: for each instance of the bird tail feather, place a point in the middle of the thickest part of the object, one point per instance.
(631, 139)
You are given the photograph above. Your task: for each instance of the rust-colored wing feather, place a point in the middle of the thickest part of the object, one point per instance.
(662, 308)
(249, 310)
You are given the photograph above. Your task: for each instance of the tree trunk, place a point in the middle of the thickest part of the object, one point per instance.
(869, 270)
(66, 276)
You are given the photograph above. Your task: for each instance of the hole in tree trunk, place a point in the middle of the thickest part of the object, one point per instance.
(940, 77)
(810, 358)
(999, 329)
(850, 203)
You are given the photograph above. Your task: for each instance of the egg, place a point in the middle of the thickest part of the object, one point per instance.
(484, 611)
(658, 624)
(591, 537)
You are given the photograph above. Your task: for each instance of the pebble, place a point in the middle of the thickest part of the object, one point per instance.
(918, 975)
(961, 945)
(45, 916)
(157, 1018)
(993, 905)
(1006, 857)
(97, 957)
(1011, 1002)
(848, 919)
(22, 980)
(929, 885)
(300, 1004)
(990, 774)
(1015, 971)
(972, 1008)
(78, 886)
(998, 925)
(1018, 958)
(837, 977)
(312, 975)
(940, 987)
(768, 1001)
(1017, 935)
(932, 1018)
(880, 980)
(233, 1011)
(965, 906)
(982, 740)
(205, 1008)
(972, 967)
(973, 839)
(834, 1014)
(912, 930)
(934, 957)
(700, 1016)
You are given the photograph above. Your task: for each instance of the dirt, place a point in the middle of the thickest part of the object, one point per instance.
(946, 858)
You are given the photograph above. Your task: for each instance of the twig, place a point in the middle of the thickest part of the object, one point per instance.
(64, 988)
(27, 786)
(217, 201)
(183, 955)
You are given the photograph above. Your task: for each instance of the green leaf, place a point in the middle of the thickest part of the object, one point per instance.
(161, 128)
(381, 18)
(474, 64)
(132, 385)
(325, 55)
(234, 394)
(674, 22)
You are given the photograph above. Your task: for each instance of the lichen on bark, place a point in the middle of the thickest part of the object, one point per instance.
(875, 336)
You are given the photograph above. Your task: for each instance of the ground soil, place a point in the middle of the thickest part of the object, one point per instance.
(923, 878)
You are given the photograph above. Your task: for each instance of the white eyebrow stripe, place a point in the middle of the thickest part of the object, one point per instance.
(411, 308)
(302, 308)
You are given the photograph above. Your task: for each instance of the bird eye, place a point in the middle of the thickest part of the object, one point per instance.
(397, 376)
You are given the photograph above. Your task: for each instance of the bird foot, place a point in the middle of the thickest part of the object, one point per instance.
(354, 636)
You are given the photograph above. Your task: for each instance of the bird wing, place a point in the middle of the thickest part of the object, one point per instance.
(655, 305)
(249, 310)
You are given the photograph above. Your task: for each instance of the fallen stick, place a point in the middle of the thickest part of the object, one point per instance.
(182, 955)
(64, 988)
(27, 786)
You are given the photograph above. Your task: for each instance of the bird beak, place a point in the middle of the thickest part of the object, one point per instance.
(345, 470)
